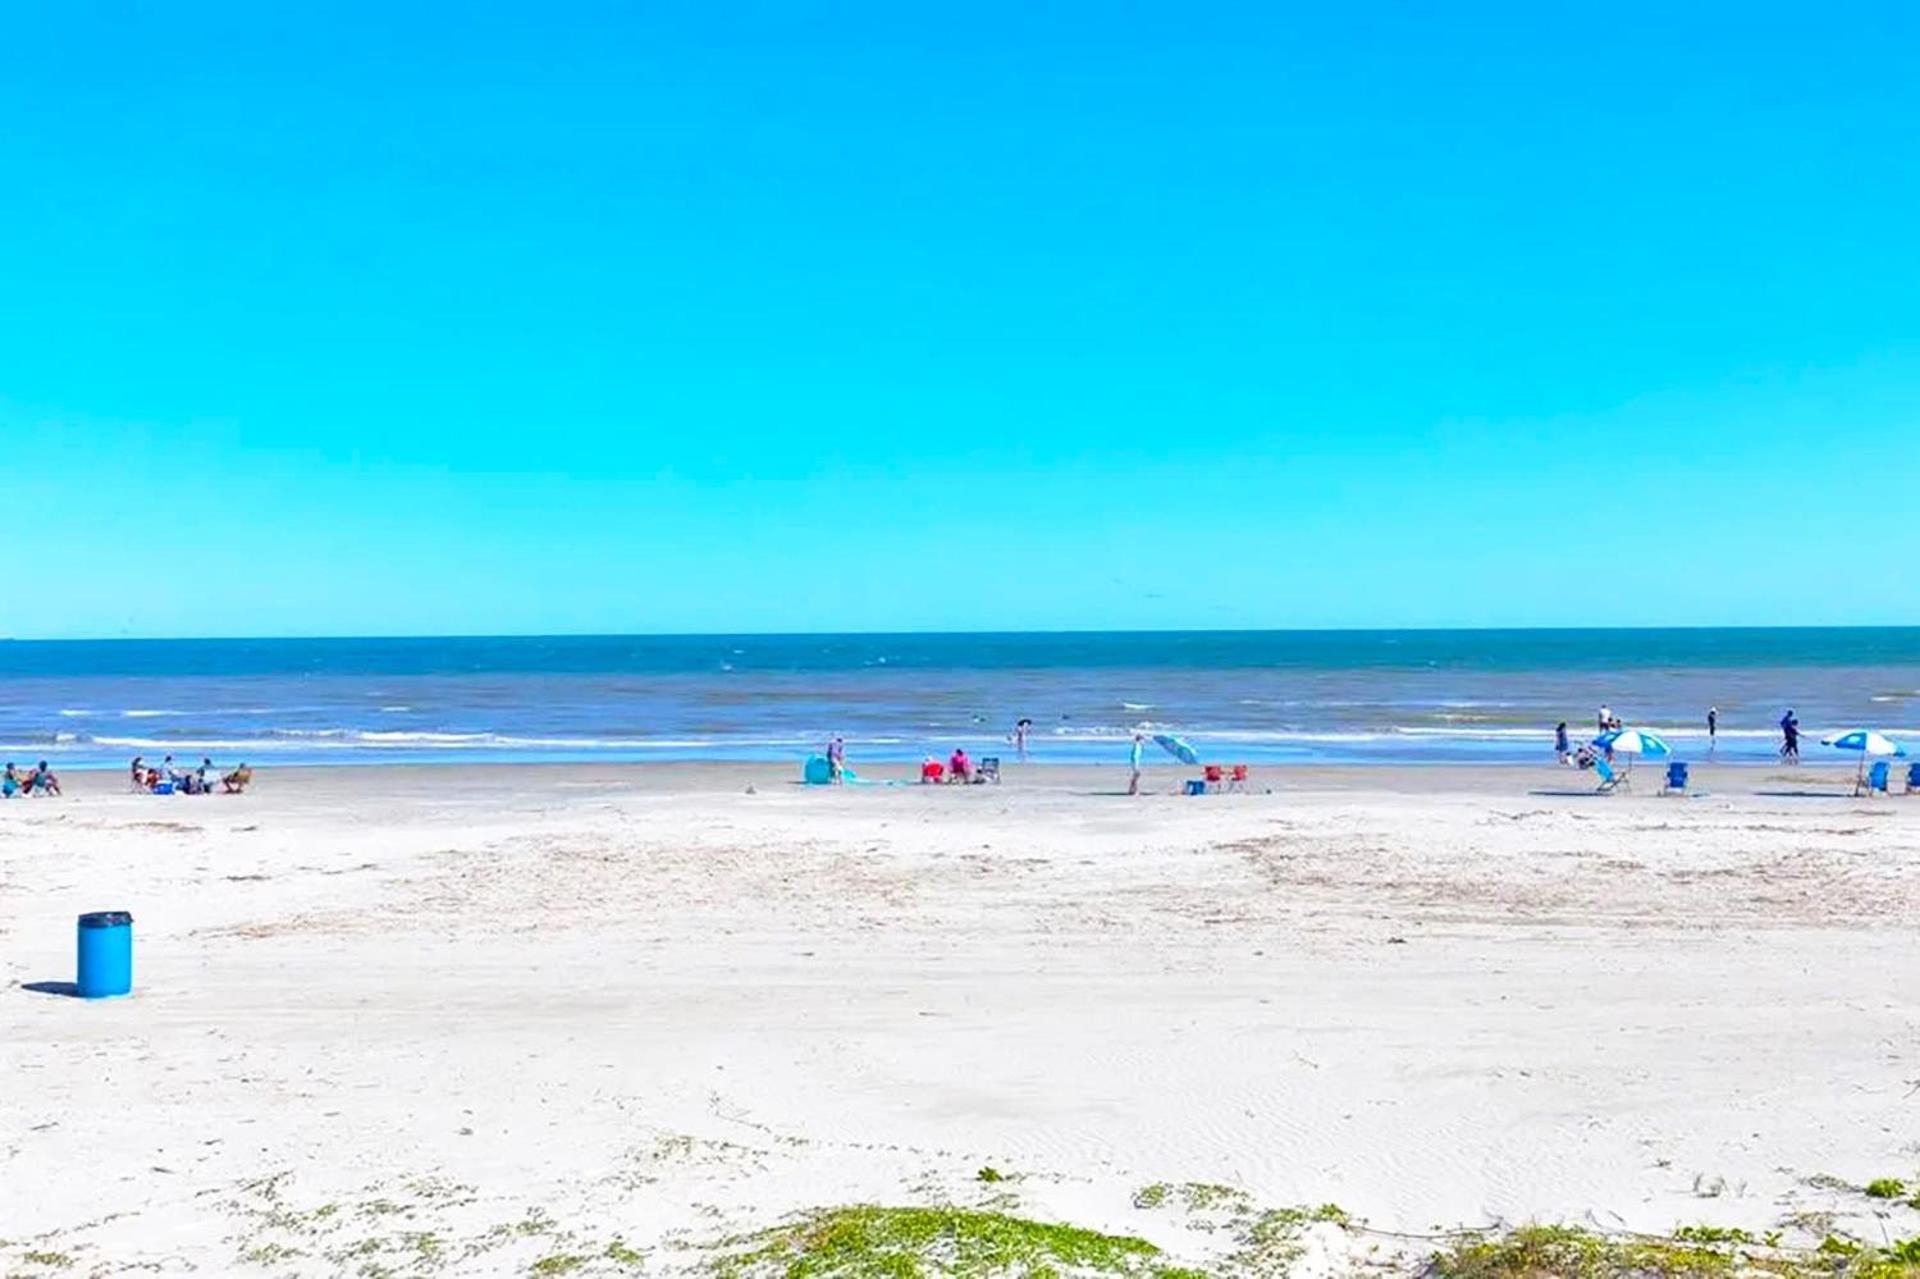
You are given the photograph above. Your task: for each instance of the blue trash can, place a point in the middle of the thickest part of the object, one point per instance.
(106, 954)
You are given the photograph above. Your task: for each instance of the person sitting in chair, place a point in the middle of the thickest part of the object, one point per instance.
(236, 781)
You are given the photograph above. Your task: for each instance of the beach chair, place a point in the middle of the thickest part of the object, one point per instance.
(1196, 786)
(1608, 778)
(1875, 780)
(1676, 783)
(236, 781)
(989, 769)
(932, 772)
(1237, 778)
(1213, 776)
(1913, 778)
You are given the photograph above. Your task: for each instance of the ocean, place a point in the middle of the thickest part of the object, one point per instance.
(1273, 697)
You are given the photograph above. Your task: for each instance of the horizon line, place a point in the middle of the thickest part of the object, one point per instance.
(921, 634)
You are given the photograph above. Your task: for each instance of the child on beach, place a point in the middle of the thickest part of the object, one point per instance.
(1133, 762)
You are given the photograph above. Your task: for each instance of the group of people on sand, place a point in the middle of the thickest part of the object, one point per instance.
(38, 780)
(1608, 722)
(959, 767)
(959, 770)
(184, 781)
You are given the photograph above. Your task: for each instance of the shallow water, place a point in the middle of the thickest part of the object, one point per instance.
(1270, 697)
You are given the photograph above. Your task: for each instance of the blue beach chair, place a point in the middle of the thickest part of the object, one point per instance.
(1676, 779)
(1875, 780)
(1608, 778)
(1913, 778)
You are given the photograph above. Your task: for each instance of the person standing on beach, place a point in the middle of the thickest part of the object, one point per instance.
(1604, 720)
(1789, 738)
(1562, 749)
(1133, 762)
(836, 760)
(1021, 728)
(1713, 728)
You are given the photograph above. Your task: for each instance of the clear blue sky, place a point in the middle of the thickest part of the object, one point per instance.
(564, 317)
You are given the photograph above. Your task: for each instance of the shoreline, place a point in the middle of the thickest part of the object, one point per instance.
(1738, 778)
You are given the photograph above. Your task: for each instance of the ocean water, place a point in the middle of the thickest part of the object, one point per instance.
(1263, 697)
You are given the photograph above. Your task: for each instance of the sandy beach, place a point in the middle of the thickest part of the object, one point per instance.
(470, 1020)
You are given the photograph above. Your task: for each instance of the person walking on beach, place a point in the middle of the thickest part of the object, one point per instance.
(1604, 720)
(1789, 738)
(1133, 762)
(1713, 728)
(1562, 749)
(1021, 728)
(836, 760)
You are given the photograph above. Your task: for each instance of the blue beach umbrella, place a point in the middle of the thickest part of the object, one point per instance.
(1178, 747)
(1867, 742)
(1634, 741)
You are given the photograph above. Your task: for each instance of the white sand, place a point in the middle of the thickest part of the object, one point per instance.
(532, 1010)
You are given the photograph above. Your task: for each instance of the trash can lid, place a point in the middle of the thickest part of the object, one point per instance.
(106, 919)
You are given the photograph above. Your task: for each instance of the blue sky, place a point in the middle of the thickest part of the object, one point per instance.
(341, 320)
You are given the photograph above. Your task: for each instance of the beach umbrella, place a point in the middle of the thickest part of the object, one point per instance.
(1633, 741)
(1867, 741)
(1178, 747)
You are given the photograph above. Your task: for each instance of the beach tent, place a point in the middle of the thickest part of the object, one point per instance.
(817, 771)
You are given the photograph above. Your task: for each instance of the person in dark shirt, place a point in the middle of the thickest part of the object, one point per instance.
(1789, 738)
